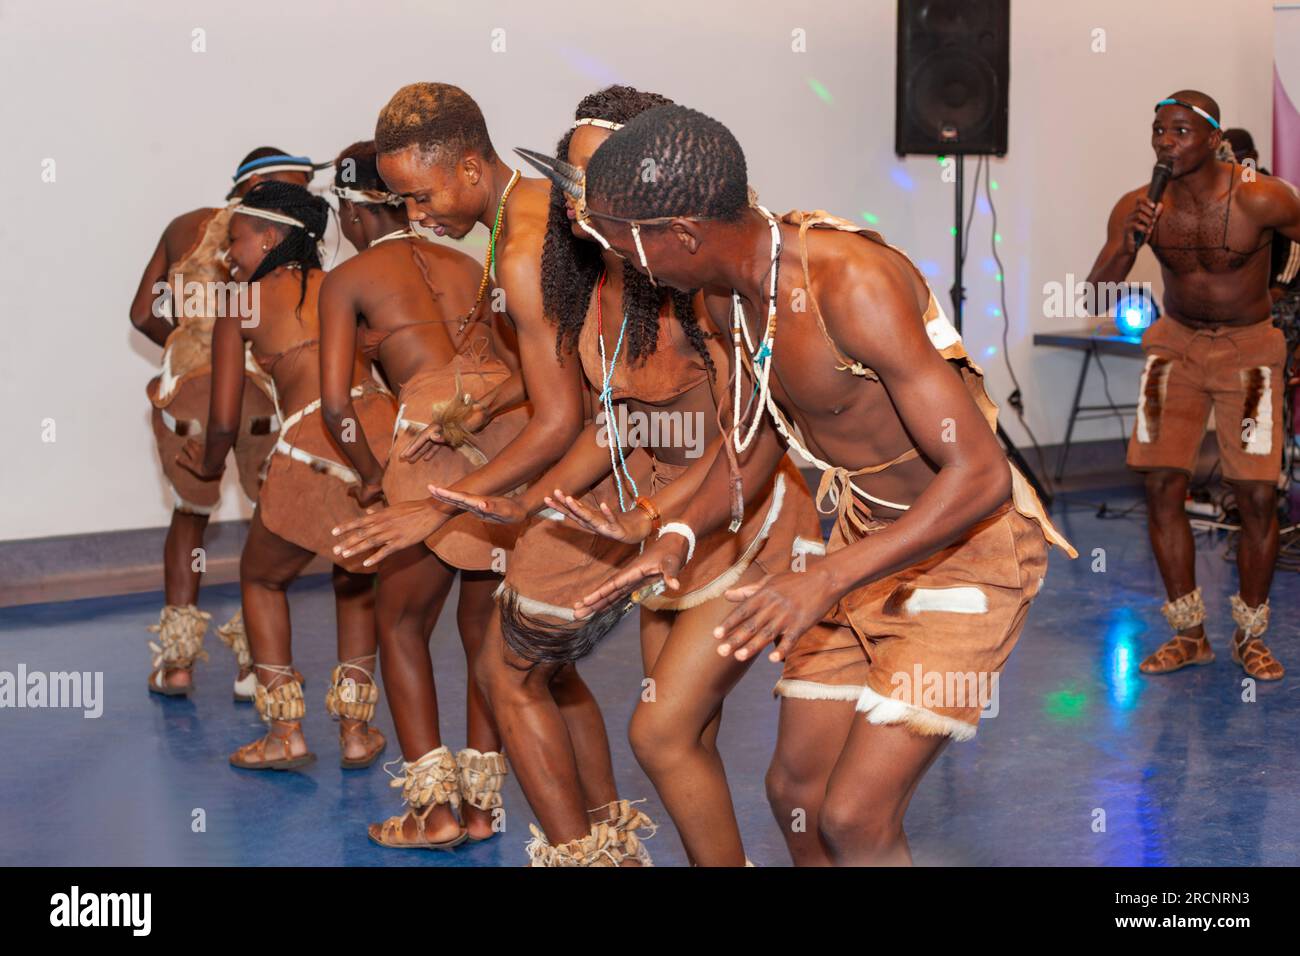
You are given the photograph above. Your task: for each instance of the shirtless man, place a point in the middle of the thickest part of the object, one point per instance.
(434, 151)
(850, 345)
(1215, 346)
(191, 248)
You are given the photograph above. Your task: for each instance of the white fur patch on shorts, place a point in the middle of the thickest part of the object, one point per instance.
(1261, 437)
(959, 600)
(1144, 422)
(889, 710)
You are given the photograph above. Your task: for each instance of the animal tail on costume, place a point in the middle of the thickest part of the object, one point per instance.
(531, 632)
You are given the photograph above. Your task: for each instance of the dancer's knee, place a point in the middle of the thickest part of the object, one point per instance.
(505, 685)
(658, 742)
(853, 827)
(788, 790)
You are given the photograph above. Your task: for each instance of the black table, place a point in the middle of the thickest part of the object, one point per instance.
(1105, 340)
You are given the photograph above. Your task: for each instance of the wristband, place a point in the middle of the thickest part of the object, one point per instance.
(656, 519)
(680, 527)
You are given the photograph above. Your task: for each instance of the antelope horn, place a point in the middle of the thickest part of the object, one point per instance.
(565, 175)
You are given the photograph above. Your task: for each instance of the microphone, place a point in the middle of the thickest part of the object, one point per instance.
(1159, 180)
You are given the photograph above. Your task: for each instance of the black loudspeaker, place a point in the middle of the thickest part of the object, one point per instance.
(954, 65)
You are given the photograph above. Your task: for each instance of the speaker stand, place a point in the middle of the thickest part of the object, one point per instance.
(958, 295)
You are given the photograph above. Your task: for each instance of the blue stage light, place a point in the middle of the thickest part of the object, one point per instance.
(1134, 312)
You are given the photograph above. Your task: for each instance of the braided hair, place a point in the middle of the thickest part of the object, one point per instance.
(699, 168)
(298, 245)
(571, 267)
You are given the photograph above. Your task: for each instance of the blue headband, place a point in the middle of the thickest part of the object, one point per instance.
(279, 162)
(1195, 109)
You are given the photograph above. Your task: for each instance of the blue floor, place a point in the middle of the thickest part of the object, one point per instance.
(1185, 771)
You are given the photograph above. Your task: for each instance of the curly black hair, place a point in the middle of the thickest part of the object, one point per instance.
(699, 168)
(298, 244)
(571, 267)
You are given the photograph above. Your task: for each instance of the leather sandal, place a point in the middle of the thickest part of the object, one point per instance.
(257, 749)
(1248, 647)
(282, 707)
(427, 782)
(1181, 650)
(348, 699)
(180, 630)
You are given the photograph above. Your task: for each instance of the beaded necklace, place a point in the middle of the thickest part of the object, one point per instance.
(404, 233)
(491, 254)
(619, 463)
(762, 356)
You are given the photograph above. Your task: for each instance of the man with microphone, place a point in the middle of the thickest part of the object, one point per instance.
(1210, 225)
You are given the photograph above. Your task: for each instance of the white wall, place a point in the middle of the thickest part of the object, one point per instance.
(142, 128)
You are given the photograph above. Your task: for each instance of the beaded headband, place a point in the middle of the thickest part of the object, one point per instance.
(1195, 109)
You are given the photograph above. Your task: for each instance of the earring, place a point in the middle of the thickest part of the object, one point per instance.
(265, 247)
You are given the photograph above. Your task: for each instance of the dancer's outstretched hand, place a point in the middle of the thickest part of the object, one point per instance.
(779, 608)
(388, 530)
(191, 459)
(631, 527)
(495, 508)
(659, 562)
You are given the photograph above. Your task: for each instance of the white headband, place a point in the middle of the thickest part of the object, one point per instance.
(274, 217)
(603, 124)
(369, 196)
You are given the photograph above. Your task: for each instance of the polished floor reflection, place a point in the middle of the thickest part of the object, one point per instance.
(1087, 762)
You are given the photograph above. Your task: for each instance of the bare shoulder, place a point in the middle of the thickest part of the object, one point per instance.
(1266, 198)
(873, 300)
(183, 231)
(447, 259)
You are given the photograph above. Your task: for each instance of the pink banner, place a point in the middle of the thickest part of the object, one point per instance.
(1286, 92)
(1286, 132)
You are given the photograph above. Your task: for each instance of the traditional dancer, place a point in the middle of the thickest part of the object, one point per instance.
(1215, 347)
(274, 235)
(435, 151)
(189, 264)
(421, 311)
(937, 590)
(645, 355)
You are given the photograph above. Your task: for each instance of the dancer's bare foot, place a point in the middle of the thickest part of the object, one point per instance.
(359, 743)
(283, 748)
(478, 823)
(1184, 649)
(171, 681)
(1255, 658)
(434, 827)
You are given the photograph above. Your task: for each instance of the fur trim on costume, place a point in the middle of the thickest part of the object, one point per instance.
(728, 578)
(811, 690)
(888, 710)
(1151, 398)
(545, 633)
